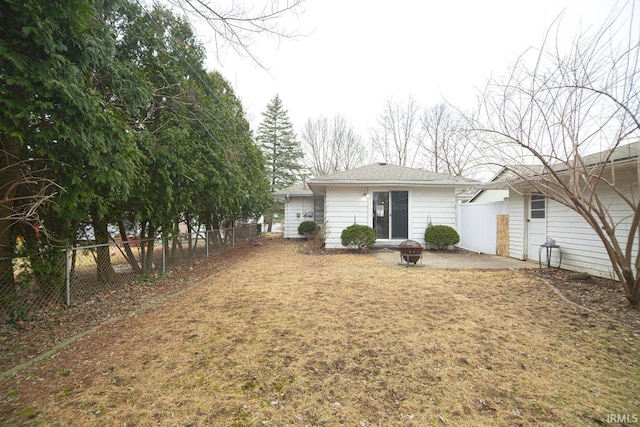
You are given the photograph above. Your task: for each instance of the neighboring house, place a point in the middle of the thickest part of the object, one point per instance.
(397, 202)
(489, 194)
(300, 204)
(482, 219)
(533, 218)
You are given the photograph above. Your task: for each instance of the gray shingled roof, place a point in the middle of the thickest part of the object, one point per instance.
(381, 173)
(624, 156)
(294, 190)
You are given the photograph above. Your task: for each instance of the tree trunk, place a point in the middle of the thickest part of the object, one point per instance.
(176, 246)
(148, 261)
(146, 247)
(127, 249)
(104, 269)
(632, 287)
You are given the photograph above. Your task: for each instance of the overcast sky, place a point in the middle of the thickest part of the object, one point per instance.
(359, 53)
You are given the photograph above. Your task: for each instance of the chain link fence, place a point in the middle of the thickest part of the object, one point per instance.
(50, 276)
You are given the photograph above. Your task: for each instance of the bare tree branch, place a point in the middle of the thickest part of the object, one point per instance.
(546, 121)
(237, 24)
(332, 146)
(397, 137)
(447, 145)
(19, 208)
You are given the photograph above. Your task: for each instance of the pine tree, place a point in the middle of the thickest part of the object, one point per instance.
(282, 152)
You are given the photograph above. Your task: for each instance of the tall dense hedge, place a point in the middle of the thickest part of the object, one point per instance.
(111, 103)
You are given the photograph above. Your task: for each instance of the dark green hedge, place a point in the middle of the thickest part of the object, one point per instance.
(442, 236)
(358, 237)
(308, 228)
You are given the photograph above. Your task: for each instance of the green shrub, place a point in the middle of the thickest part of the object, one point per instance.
(442, 236)
(358, 237)
(308, 228)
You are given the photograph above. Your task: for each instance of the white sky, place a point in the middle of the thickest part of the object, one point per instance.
(359, 53)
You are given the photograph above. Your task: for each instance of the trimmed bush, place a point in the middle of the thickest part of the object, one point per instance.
(308, 228)
(358, 237)
(442, 236)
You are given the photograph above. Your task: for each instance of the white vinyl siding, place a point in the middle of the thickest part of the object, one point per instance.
(344, 207)
(435, 204)
(582, 249)
(516, 226)
(295, 206)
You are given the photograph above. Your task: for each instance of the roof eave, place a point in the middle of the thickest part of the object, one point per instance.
(519, 182)
(317, 188)
(285, 195)
(355, 182)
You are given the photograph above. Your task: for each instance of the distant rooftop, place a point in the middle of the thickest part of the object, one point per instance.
(301, 189)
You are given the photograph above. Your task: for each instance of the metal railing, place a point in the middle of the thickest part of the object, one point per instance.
(52, 276)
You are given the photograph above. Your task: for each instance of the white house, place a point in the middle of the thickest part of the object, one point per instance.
(397, 202)
(300, 204)
(533, 218)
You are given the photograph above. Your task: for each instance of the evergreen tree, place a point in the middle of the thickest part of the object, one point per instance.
(57, 125)
(282, 152)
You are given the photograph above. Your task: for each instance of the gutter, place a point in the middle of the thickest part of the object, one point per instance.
(398, 183)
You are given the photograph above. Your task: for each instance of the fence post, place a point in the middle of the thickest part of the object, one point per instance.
(233, 237)
(206, 243)
(67, 274)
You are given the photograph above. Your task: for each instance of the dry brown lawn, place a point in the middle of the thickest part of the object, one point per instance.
(285, 338)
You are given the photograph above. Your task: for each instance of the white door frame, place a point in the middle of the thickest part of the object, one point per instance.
(536, 224)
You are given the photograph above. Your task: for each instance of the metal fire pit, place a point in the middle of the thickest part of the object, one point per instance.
(410, 252)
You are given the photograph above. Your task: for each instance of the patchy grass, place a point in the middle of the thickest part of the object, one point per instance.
(284, 338)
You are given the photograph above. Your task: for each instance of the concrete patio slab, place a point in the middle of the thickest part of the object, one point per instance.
(456, 260)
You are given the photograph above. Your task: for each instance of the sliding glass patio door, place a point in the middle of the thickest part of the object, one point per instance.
(391, 214)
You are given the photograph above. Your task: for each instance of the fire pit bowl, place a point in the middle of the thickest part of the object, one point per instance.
(410, 251)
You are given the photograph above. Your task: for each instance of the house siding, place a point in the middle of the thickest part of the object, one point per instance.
(344, 207)
(582, 249)
(516, 226)
(296, 205)
(437, 205)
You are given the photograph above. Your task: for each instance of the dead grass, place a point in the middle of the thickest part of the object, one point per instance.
(284, 338)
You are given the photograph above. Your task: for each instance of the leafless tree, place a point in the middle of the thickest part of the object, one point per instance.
(237, 24)
(332, 145)
(447, 145)
(556, 110)
(397, 136)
